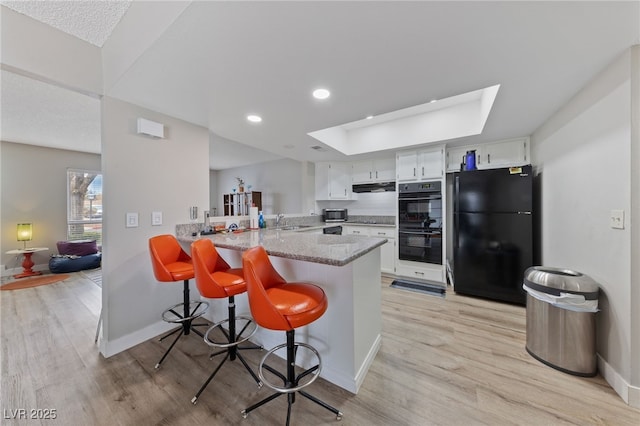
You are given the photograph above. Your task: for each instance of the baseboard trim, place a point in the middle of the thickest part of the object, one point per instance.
(629, 394)
(113, 347)
(364, 368)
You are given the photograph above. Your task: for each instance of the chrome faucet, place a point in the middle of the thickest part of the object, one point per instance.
(279, 217)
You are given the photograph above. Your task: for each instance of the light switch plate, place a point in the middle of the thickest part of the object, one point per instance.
(617, 219)
(156, 218)
(132, 220)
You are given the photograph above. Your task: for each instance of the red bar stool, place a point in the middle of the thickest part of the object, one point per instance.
(216, 280)
(278, 305)
(171, 264)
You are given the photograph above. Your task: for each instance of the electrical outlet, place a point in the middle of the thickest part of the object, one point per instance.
(617, 219)
(132, 220)
(156, 218)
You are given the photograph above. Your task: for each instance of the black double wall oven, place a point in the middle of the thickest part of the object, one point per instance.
(420, 222)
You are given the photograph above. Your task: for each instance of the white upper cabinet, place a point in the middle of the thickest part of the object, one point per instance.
(407, 165)
(431, 163)
(455, 157)
(378, 170)
(333, 181)
(504, 154)
(420, 164)
(507, 153)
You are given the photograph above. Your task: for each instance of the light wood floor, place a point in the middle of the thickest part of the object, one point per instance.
(452, 361)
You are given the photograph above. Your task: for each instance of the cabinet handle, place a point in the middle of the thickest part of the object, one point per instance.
(345, 192)
(376, 174)
(369, 175)
(488, 158)
(381, 233)
(356, 232)
(418, 273)
(414, 172)
(422, 170)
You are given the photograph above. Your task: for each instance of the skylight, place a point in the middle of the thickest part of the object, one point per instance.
(448, 118)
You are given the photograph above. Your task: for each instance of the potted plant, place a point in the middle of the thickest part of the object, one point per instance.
(240, 184)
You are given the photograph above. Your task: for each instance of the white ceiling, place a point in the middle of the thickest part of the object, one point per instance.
(91, 21)
(219, 61)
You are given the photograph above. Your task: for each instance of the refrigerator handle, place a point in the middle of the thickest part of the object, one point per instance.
(456, 216)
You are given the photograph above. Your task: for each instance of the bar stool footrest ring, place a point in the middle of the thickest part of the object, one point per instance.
(238, 341)
(197, 309)
(314, 376)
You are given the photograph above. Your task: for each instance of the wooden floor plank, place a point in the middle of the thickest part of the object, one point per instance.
(443, 361)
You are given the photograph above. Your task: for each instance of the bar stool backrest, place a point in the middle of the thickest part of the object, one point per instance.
(206, 261)
(170, 263)
(261, 276)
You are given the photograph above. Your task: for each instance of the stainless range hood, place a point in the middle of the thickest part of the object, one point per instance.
(375, 187)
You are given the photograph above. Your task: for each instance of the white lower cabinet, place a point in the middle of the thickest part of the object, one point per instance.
(421, 271)
(387, 250)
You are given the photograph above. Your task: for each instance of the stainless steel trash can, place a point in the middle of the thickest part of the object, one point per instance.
(561, 325)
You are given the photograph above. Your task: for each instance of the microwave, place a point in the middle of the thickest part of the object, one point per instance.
(334, 215)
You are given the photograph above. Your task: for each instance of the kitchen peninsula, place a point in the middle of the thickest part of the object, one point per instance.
(347, 268)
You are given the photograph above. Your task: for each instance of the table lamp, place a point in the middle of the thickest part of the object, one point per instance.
(25, 233)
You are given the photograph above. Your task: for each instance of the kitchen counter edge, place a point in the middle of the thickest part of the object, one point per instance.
(296, 245)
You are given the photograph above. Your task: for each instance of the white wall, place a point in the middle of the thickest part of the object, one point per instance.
(213, 193)
(582, 156)
(634, 217)
(282, 183)
(143, 175)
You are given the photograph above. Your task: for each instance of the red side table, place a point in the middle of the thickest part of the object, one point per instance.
(27, 263)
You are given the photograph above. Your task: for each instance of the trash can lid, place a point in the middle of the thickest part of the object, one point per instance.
(556, 280)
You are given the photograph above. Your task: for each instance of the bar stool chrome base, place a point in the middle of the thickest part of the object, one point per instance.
(291, 381)
(231, 346)
(191, 310)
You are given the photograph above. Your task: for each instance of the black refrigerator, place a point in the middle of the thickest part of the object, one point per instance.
(493, 232)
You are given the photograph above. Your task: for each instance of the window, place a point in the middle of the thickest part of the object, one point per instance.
(84, 205)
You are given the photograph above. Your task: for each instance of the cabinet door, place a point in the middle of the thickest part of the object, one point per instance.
(503, 154)
(407, 165)
(455, 158)
(387, 250)
(362, 172)
(339, 181)
(430, 163)
(387, 257)
(384, 169)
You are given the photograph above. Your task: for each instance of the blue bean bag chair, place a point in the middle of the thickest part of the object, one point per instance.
(75, 256)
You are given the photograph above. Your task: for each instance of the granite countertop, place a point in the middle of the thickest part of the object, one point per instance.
(336, 250)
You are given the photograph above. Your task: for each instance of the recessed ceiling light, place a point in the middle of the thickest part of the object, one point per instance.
(369, 117)
(254, 118)
(433, 100)
(321, 93)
